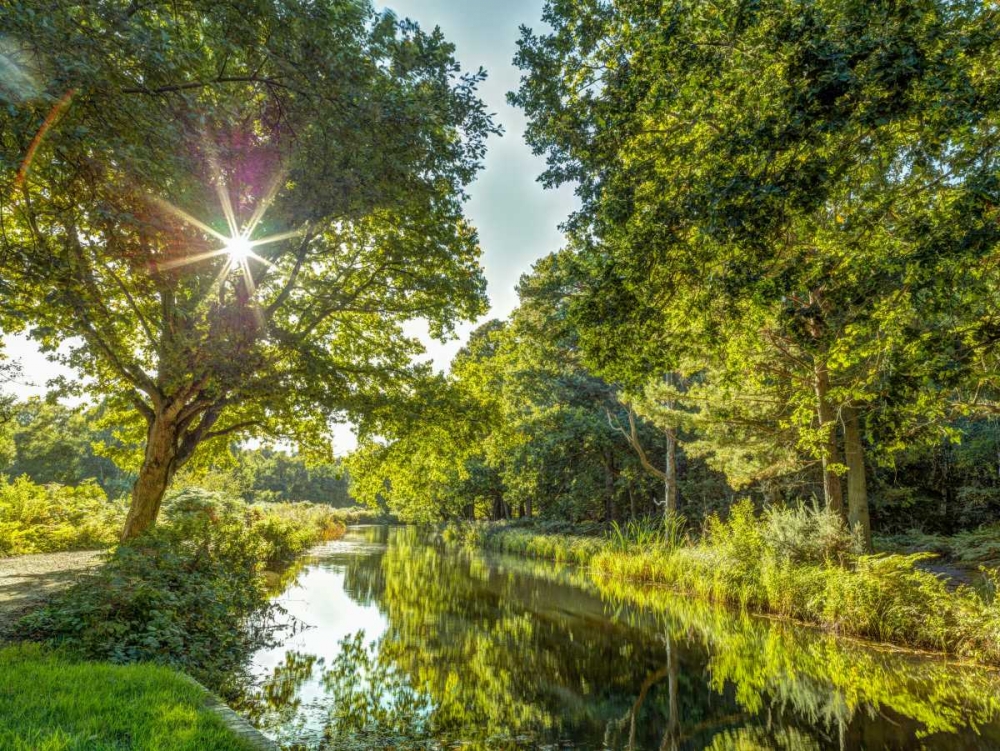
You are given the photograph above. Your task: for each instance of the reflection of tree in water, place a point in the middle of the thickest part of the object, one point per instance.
(374, 704)
(503, 657)
(848, 694)
(275, 703)
(484, 655)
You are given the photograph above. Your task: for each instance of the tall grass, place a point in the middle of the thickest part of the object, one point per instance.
(800, 563)
(504, 538)
(804, 564)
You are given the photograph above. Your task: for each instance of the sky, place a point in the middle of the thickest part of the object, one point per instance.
(518, 221)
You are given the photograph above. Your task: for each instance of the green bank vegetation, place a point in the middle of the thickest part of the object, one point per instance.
(190, 594)
(50, 702)
(799, 563)
(52, 518)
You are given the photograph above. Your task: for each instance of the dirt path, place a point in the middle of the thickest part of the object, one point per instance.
(27, 580)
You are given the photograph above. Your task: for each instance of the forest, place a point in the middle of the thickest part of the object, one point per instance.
(793, 301)
(288, 459)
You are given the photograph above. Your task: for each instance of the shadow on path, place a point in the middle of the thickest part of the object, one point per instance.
(25, 581)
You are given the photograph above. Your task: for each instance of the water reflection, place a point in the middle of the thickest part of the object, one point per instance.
(416, 647)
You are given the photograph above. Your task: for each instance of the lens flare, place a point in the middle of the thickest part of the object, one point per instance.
(239, 249)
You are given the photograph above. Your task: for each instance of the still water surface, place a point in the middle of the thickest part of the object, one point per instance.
(405, 644)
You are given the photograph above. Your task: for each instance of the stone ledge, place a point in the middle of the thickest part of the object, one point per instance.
(237, 725)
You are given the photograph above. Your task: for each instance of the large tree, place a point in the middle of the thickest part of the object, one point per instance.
(147, 146)
(801, 190)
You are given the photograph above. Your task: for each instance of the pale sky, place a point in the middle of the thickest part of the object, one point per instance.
(517, 220)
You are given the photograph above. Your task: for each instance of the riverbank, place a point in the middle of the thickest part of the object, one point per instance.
(51, 701)
(792, 564)
(188, 598)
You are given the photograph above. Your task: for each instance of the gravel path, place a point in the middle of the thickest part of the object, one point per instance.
(27, 580)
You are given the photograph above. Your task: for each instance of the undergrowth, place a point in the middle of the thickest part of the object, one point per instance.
(190, 593)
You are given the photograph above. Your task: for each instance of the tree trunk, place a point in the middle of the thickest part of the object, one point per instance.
(857, 485)
(158, 467)
(527, 507)
(670, 470)
(830, 456)
(609, 486)
(631, 503)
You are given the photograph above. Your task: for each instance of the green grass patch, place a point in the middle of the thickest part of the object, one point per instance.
(52, 703)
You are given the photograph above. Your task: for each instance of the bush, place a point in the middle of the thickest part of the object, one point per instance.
(809, 534)
(289, 529)
(189, 593)
(53, 518)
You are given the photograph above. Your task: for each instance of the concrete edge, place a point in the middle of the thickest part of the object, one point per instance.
(238, 725)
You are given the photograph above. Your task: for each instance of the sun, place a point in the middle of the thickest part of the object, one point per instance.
(239, 249)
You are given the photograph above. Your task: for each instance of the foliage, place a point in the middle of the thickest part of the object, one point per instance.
(502, 538)
(52, 702)
(776, 207)
(289, 529)
(266, 475)
(346, 135)
(56, 444)
(787, 567)
(517, 428)
(190, 593)
(51, 518)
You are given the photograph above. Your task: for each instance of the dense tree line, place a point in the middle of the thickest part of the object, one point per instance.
(50, 443)
(783, 271)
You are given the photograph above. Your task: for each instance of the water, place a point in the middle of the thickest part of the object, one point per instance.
(408, 645)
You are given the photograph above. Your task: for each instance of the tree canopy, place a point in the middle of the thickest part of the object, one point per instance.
(148, 146)
(794, 203)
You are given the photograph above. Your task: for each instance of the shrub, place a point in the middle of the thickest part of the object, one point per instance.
(53, 518)
(188, 593)
(809, 534)
(289, 529)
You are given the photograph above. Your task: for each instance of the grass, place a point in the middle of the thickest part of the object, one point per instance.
(506, 538)
(800, 563)
(52, 703)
